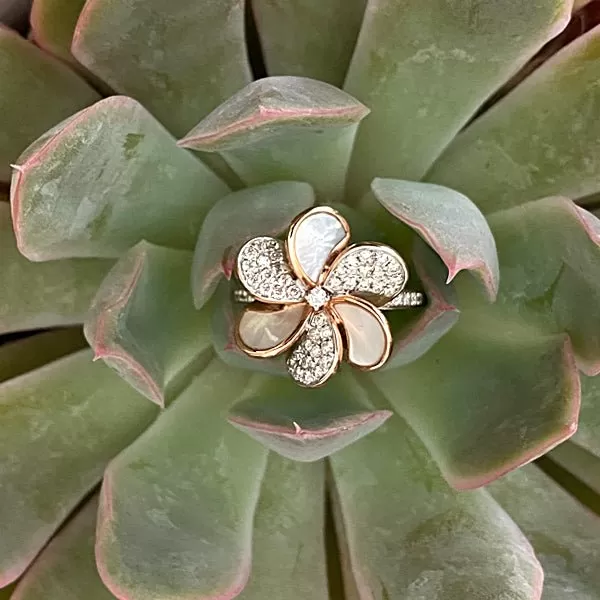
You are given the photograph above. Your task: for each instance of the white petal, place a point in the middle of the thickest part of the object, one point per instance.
(367, 333)
(314, 239)
(263, 270)
(317, 355)
(368, 270)
(264, 330)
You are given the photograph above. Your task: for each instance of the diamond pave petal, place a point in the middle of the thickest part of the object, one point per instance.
(316, 356)
(370, 270)
(263, 270)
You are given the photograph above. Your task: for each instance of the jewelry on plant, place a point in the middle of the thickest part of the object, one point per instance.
(319, 295)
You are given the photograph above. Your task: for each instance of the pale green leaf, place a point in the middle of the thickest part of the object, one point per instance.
(579, 462)
(424, 67)
(143, 323)
(66, 569)
(297, 36)
(106, 179)
(37, 92)
(541, 140)
(177, 507)
(284, 128)
(180, 59)
(410, 537)
(588, 431)
(61, 424)
(565, 536)
(43, 295)
(263, 210)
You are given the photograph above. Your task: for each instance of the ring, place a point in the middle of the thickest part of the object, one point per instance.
(320, 297)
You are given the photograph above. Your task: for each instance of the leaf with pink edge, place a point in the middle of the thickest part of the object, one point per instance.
(180, 60)
(540, 140)
(61, 424)
(52, 90)
(66, 569)
(549, 253)
(564, 535)
(143, 324)
(288, 534)
(98, 183)
(477, 422)
(448, 221)
(233, 220)
(446, 545)
(183, 494)
(307, 425)
(284, 128)
(43, 295)
(292, 44)
(424, 67)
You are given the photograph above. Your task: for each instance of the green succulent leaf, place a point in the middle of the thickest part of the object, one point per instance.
(588, 432)
(294, 40)
(424, 67)
(409, 535)
(43, 295)
(61, 424)
(579, 462)
(448, 221)
(307, 425)
(288, 550)
(30, 353)
(262, 210)
(53, 92)
(549, 253)
(106, 179)
(177, 506)
(284, 128)
(142, 322)
(565, 536)
(420, 333)
(66, 569)
(158, 61)
(541, 140)
(491, 395)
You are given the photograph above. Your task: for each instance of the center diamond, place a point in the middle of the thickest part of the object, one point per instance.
(317, 297)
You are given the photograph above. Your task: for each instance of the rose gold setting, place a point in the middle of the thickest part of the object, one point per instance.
(320, 341)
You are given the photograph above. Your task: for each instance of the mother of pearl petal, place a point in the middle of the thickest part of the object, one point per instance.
(314, 239)
(367, 340)
(266, 329)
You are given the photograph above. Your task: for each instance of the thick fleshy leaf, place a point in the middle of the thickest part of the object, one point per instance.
(491, 395)
(284, 128)
(177, 506)
(143, 323)
(66, 569)
(35, 351)
(540, 140)
(409, 535)
(43, 295)
(584, 465)
(262, 210)
(288, 549)
(565, 536)
(61, 424)
(106, 179)
(588, 431)
(307, 425)
(181, 60)
(549, 253)
(294, 40)
(448, 221)
(53, 93)
(418, 335)
(423, 80)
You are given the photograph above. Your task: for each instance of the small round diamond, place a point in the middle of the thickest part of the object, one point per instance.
(317, 297)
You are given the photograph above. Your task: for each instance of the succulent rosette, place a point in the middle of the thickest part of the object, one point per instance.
(145, 147)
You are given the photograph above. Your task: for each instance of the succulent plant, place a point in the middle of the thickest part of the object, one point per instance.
(162, 462)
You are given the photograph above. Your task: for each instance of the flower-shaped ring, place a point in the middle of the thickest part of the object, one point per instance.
(318, 293)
